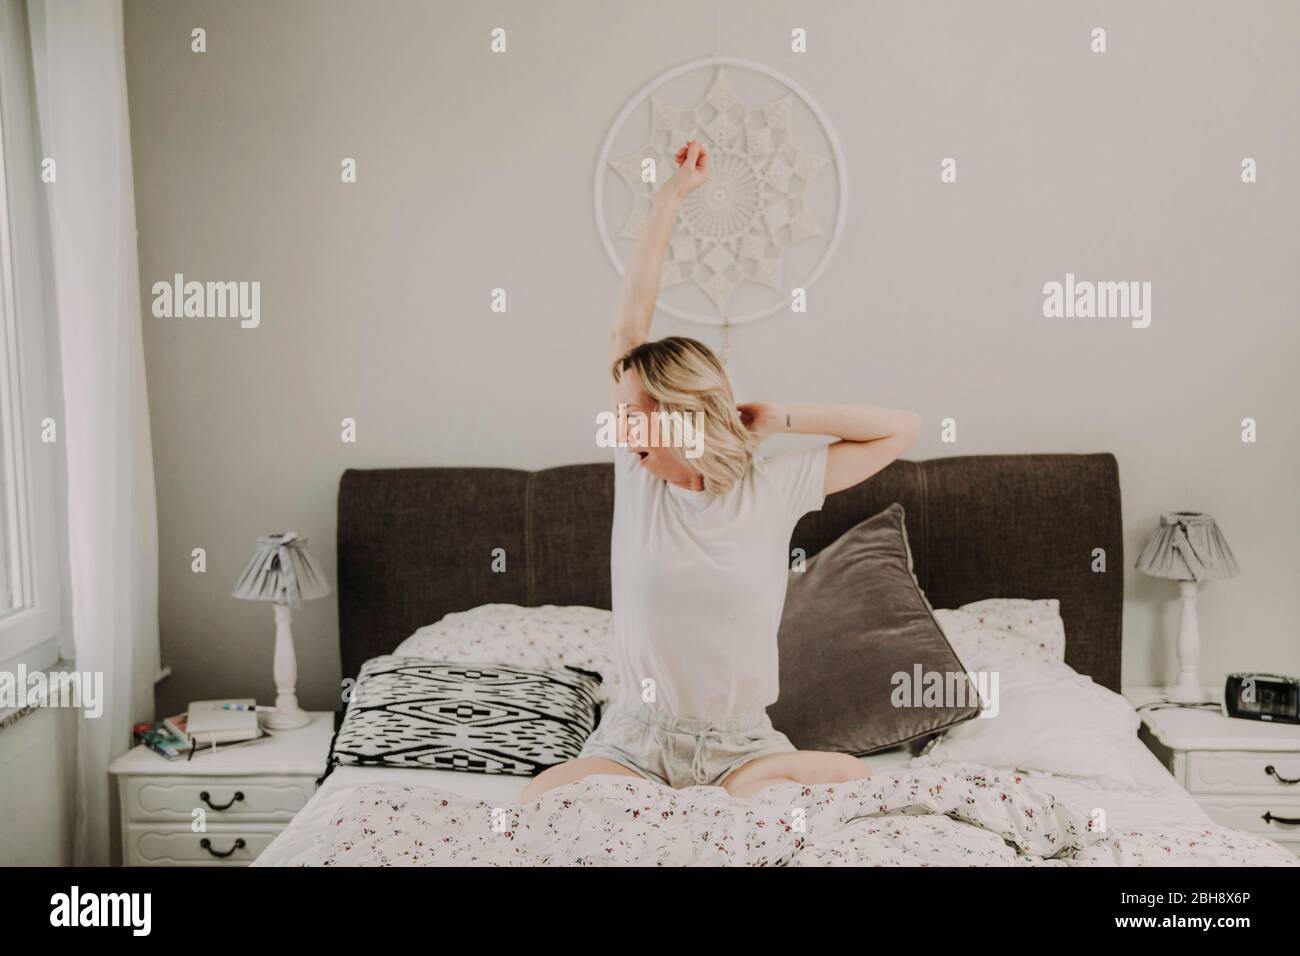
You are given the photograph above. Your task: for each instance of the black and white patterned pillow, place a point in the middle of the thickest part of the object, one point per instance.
(479, 718)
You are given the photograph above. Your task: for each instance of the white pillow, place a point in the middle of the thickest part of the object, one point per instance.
(1049, 718)
(1038, 622)
(549, 637)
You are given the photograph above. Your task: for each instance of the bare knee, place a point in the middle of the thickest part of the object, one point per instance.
(834, 768)
(548, 778)
(571, 771)
(846, 768)
(850, 768)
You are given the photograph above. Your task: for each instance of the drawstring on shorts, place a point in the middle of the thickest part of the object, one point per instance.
(714, 746)
(699, 772)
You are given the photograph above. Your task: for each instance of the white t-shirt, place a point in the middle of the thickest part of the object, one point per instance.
(699, 582)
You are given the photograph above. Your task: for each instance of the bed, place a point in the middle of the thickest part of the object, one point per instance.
(415, 545)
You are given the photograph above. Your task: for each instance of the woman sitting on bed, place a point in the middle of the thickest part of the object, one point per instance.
(698, 552)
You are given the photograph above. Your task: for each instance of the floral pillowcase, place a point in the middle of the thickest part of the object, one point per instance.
(1031, 629)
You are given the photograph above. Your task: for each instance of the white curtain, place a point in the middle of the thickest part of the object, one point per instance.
(80, 71)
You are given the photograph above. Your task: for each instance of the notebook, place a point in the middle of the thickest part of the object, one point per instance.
(208, 721)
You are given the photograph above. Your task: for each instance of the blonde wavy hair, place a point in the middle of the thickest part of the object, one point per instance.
(683, 375)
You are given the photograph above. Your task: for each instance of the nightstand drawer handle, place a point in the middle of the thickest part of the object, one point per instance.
(207, 845)
(1270, 818)
(206, 798)
(1272, 772)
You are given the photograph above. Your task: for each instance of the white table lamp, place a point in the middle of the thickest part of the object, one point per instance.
(1188, 547)
(282, 571)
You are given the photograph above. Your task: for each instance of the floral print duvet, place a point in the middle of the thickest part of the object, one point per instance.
(929, 816)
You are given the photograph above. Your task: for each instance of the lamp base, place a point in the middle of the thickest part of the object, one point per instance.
(279, 719)
(1187, 689)
(1186, 692)
(287, 714)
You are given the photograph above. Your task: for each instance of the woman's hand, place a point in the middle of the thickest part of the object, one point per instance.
(762, 418)
(692, 171)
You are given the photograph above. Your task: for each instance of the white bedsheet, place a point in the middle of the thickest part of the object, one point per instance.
(1161, 802)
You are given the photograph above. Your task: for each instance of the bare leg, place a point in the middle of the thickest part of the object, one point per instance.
(798, 766)
(570, 772)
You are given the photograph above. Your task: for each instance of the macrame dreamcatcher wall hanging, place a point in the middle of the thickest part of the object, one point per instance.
(733, 236)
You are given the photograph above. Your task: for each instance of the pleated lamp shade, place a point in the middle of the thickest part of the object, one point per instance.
(281, 570)
(1188, 546)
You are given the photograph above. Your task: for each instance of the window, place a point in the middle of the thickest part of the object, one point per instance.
(30, 534)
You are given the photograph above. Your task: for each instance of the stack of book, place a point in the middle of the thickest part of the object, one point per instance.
(167, 737)
(207, 725)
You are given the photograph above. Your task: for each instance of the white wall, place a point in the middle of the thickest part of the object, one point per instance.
(475, 172)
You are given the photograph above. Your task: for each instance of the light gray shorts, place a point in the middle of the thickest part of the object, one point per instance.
(680, 752)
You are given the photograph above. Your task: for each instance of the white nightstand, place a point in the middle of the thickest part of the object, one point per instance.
(1244, 773)
(248, 793)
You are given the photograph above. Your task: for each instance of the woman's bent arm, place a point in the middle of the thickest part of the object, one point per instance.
(869, 437)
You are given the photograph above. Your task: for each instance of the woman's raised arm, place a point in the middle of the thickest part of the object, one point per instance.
(641, 284)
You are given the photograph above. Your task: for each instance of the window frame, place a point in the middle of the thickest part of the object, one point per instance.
(30, 631)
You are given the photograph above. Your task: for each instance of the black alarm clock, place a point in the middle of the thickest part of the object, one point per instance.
(1262, 697)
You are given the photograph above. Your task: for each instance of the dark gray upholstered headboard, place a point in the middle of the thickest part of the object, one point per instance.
(417, 543)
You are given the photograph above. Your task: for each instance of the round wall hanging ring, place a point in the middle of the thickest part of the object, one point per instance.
(736, 230)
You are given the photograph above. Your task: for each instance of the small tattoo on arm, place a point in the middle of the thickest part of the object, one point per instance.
(787, 419)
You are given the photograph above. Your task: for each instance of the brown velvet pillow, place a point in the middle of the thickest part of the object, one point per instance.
(853, 619)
